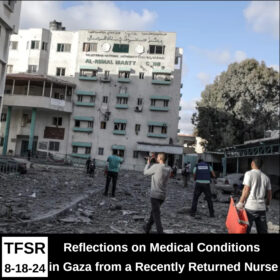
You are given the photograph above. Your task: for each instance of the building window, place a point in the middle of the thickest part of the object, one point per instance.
(3, 117)
(60, 71)
(89, 47)
(90, 124)
(121, 48)
(57, 121)
(87, 150)
(153, 102)
(119, 126)
(100, 151)
(165, 103)
(88, 73)
(151, 128)
(122, 100)
(80, 98)
(1, 141)
(107, 74)
(32, 68)
(141, 75)
(77, 123)
(9, 69)
(124, 74)
(35, 45)
(139, 101)
(164, 129)
(25, 119)
(118, 152)
(135, 154)
(137, 128)
(156, 49)
(44, 46)
(105, 99)
(13, 45)
(54, 146)
(63, 48)
(74, 149)
(103, 125)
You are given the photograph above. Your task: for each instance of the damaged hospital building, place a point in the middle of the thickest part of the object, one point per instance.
(75, 94)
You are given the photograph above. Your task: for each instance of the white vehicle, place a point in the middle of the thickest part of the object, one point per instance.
(231, 183)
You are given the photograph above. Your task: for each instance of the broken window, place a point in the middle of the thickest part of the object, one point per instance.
(135, 154)
(103, 125)
(156, 49)
(25, 119)
(54, 146)
(92, 99)
(151, 128)
(141, 75)
(74, 149)
(153, 102)
(89, 47)
(100, 151)
(3, 117)
(57, 121)
(80, 98)
(90, 124)
(106, 75)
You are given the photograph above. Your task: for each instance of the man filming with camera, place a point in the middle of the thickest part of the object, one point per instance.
(160, 174)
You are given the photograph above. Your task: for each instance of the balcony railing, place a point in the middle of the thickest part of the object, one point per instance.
(162, 109)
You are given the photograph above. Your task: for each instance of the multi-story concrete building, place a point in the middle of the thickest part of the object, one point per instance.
(9, 23)
(126, 99)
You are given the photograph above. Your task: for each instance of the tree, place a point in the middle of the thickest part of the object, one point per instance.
(240, 105)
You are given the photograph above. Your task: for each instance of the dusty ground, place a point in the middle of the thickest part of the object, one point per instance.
(66, 200)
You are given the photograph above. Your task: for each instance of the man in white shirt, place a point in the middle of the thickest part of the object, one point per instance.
(256, 196)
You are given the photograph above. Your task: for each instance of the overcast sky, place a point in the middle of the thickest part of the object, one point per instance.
(212, 34)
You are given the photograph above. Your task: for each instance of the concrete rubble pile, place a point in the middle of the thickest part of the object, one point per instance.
(66, 200)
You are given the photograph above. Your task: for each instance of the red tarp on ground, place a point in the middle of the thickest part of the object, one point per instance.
(237, 220)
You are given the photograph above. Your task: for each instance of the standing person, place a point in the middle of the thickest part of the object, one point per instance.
(186, 173)
(202, 176)
(256, 196)
(88, 164)
(92, 168)
(114, 162)
(160, 174)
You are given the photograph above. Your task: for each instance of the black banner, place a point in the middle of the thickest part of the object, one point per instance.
(176, 256)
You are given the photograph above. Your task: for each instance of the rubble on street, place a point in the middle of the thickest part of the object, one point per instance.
(66, 200)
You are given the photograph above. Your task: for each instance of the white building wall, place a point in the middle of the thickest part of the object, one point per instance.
(9, 23)
(111, 61)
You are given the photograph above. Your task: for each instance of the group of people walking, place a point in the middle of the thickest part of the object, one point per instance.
(255, 198)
